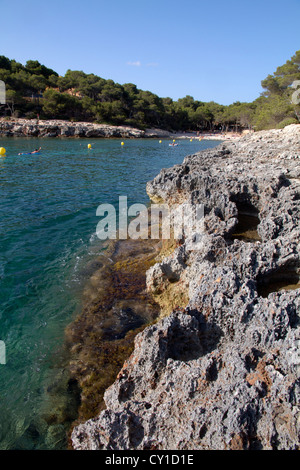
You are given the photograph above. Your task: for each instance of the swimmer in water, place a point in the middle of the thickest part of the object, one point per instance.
(31, 153)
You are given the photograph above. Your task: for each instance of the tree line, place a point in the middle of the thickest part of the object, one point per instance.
(33, 90)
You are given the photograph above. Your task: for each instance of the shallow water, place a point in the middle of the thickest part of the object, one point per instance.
(48, 246)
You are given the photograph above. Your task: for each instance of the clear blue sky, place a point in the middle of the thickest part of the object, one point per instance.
(211, 50)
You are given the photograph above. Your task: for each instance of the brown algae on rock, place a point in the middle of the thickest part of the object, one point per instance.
(116, 306)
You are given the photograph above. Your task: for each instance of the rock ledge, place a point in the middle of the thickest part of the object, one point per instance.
(222, 372)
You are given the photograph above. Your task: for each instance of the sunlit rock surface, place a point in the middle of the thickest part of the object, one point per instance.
(222, 371)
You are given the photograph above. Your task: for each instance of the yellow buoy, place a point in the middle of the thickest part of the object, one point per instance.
(160, 141)
(191, 140)
(173, 140)
(89, 146)
(2, 151)
(122, 143)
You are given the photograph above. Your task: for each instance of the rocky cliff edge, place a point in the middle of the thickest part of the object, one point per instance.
(222, 371)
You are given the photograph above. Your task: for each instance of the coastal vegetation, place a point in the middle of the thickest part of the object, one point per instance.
(34, 90)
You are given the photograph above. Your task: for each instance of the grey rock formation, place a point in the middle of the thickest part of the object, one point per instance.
(58, 128)
(223, 372)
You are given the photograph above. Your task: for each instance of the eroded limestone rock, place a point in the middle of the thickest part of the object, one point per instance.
(222, 372)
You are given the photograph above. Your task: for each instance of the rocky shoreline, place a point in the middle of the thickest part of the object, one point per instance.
(221, 371)
(60, 128)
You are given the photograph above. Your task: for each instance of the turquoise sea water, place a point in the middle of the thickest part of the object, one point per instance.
(48, 221)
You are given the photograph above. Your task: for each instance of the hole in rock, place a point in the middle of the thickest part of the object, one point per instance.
(286, 278)
(183, 345)
(248, 220)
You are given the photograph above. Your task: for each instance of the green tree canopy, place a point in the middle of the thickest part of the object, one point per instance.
(34, 88)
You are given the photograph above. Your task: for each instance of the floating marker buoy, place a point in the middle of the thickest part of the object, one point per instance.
(173, 140)
(89, 146)
(160, 141)
(2, 151)
(191, 140)
(122, 143)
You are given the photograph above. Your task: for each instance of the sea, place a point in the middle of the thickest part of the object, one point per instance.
(48, 204)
